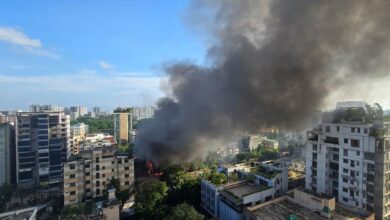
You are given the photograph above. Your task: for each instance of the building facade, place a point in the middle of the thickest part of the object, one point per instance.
(7, 154)
(348, 156)
(42, 142)
(78, 134)
(88, 174)
(96, 111)
(123, 126)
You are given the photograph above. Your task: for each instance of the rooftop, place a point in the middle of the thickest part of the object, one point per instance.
(262, 171)
(237, 191)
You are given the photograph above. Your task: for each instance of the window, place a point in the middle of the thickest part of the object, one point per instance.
(354, 143)
(345, 160)
(87, 182)
(97, 175)
(104, 175)
(87, 173)
(126, 183)
(97, 183)
(97, 191)
(353, 130)
(73, 193)
(126, 168)
(314, 146)
(366, 130)
(357, 173)
(357, 153)
(338, 128)
(72, 184)
(87, 165)
(97, 159)
(112, 170)
(345, 199)
(345, 180)
(97, 167)
(345, 189)
(314, 156)
(103, 168)
(72, 166)
(345, 152)
(72, 176)
(327, 129)
(345, 141)
(358, 130)
(352, 163)
(345, 170)
(126, 175)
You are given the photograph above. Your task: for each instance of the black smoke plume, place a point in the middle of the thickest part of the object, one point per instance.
(271, 63)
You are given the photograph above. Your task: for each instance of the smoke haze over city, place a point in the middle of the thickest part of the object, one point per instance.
(269, 64)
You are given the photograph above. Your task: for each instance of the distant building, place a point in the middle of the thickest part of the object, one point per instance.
(140, 113)
(45, 108)
(123, 126)
(87, 174)
(42, 142)
(96, 111)
(77, 111)
(348, 157)
(7, 154)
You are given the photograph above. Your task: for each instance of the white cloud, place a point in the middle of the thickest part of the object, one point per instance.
(27, 44)
(104, 65)
(10, 35)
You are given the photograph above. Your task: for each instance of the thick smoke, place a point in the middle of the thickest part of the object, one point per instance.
(270, 63)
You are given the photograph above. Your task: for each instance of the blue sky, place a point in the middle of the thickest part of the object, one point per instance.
(103, 53)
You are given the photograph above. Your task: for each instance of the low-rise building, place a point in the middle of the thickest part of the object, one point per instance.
(303, 204)
(20, 214)
(88, 174)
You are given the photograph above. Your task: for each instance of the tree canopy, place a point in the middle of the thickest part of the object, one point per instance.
(184, 211)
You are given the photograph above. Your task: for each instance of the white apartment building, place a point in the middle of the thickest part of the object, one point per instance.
(348, 156)
(87, 174)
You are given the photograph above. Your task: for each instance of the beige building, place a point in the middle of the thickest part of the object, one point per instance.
(78, 133)
(123, 126)
(87, 174)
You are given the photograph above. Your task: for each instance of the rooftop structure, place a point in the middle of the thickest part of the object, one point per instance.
(302, 204)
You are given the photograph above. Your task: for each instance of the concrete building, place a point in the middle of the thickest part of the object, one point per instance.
(303, 204)
(42, 142)
(348, 156)
(78, 134)
(96, 111)
(123, 126)
(77, 111)
(140, 113)
(87, 174)
(7, 154)
(45, 108)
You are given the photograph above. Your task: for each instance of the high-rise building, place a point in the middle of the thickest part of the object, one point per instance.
(7, 154)
(88, 174)
(45, 108)
(140, 113)
(96, 111)
(42, 142)
(77, 111)
(123, 126)
(348, 156)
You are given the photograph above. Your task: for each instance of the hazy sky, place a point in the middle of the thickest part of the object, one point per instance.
(104, 53)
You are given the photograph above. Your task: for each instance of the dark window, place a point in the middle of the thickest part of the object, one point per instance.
(98, 191)
(126, 183)
(338, 128)
(345, 199)
(87, 182)
(314, 146)
(87, 173)
(72, 176)
(72, 193)
(126, 168)
(126, 175)
(365, 130)
(97, 183)
(345, 141)
(97, 175)
(345, 152)
(97, 159)
(353, 130)
(327, 129)
(345, 160)
(72, 184)
(345, 189)
(354, 143)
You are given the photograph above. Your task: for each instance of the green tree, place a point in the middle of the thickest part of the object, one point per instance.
(98, 124)
(150, 198)
(189, 192)
(184, 211)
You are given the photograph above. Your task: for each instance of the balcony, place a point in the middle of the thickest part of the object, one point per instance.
(312, 136)
(331, 140)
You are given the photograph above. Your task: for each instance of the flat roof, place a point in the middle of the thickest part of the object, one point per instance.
(237, 191)
(21, 214)
(284, 209)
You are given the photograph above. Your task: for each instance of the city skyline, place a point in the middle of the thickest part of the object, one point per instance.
(110, 53)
